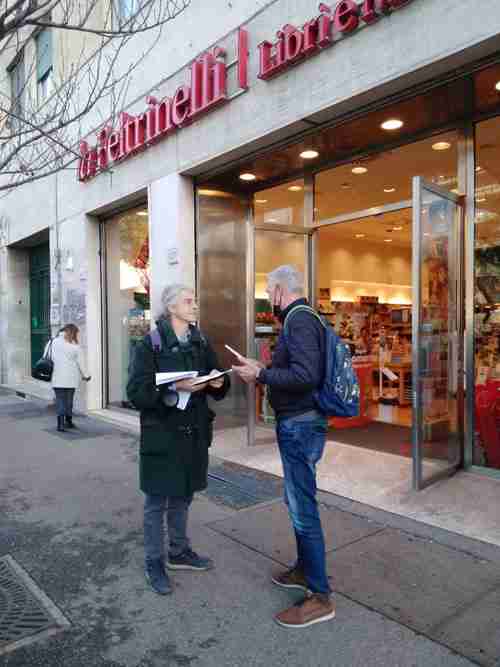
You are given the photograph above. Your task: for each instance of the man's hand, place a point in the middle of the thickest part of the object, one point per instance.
(248, 370)
(188, 385)
(216, 384)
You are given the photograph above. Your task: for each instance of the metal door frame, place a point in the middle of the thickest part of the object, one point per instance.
(420, 184)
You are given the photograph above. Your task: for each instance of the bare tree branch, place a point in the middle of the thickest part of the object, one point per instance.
(39, 136)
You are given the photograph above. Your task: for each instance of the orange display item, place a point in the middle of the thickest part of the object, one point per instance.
(488, 420)
(364, 372)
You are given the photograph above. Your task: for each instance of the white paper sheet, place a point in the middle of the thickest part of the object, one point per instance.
(170, 378)
(208, 378)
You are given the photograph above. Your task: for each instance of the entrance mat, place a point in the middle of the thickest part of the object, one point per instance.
(450, 596)
(237, 486)
(378, 436)
(268, 531)
(26, 614)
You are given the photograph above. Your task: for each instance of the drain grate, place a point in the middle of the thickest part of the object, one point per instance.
(26, 613)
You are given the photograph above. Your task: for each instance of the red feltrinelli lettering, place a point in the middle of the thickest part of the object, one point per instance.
(293, 44)
(208, 89)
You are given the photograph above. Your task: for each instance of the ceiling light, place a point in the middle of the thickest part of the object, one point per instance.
(271, 220)
(388, 240)
(480, 199)
(392, 124)
(359, 170)
(397, 229)
(478, 169)
(389, 190)
(142, 213)
(346, 186)
(261, 201)
(360, 236)
(247, 177)
(295, 188)
(309, 155)
(441, 146)
(497, 86)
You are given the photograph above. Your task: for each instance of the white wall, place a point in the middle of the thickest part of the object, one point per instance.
(372, 269)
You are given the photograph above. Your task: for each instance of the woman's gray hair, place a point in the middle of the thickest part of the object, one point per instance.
(170, 296)
(287, 276)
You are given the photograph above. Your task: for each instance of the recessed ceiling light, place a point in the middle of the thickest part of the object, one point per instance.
(388, 240)
(261, 201)
(480, 199)
(309, 155)
(397, 229)
(270, 220)
(441, 146)
(142, 213)
(392, 124)
(478, 169)
(497, 86)
(388, 190)
(346, 186)
(295, 188)
(360, 236)
(359, 170)
(247, 177)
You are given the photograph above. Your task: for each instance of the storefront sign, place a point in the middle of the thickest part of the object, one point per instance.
(208, 85)
(208, 90)
(295, 44)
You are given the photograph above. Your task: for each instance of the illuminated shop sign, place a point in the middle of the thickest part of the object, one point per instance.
(207, 90)
(294, 44)
(208, 80)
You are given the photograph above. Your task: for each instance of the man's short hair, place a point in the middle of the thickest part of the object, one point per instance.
(287, 276)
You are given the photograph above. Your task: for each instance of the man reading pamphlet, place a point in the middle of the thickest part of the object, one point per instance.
(171, 363)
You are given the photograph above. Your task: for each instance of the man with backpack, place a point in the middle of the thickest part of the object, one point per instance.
(294, 378)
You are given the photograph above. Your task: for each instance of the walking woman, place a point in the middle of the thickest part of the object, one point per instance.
(68, 373)
(174, 442)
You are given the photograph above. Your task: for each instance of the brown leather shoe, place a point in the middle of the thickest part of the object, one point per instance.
(315, 608)
(292, 578)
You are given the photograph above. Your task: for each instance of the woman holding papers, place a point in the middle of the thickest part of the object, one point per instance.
(176, 430)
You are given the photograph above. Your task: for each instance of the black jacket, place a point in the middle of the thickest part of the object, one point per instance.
(174, 443)
(298, 364)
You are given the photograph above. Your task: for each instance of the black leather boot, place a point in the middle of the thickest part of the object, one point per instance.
(69, 422)
(60, 424)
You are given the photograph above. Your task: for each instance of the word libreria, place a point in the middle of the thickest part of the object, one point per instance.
(294, 44)
(208, 80)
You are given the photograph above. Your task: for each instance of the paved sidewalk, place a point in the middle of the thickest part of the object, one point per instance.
(407, 594)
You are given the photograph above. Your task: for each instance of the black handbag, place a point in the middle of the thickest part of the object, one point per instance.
(44, 367)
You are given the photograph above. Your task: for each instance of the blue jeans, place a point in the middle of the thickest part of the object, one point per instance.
(301, 443)
(177, 510)
(64, 401)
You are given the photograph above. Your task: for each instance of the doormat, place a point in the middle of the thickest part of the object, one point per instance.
(26, 613)
(238, 487)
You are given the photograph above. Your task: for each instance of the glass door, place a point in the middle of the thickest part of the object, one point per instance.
(272, 249)
(437, 436)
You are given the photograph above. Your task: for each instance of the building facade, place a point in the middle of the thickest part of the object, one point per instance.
(357, 140)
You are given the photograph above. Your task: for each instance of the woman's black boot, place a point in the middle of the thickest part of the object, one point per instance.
(69, 422)
(60, 424)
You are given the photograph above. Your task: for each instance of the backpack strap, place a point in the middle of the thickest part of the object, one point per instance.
(303, 308)
(155, 339)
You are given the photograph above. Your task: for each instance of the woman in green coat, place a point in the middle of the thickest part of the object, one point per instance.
(174, 442)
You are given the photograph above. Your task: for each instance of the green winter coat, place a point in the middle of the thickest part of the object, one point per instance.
(174, 443)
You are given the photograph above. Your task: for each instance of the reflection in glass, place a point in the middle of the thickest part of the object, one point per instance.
(487, 295)
(438, 332)
(128, 302)
(281, 205)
